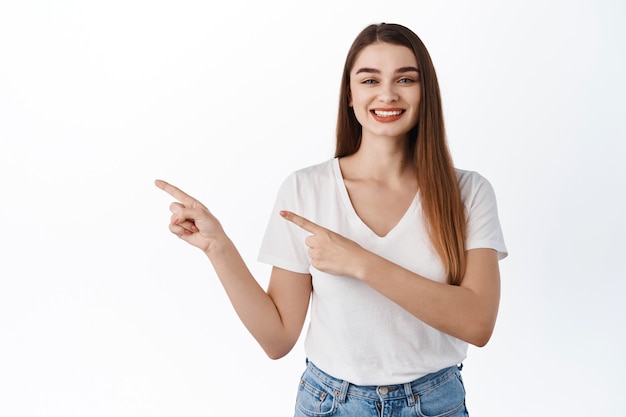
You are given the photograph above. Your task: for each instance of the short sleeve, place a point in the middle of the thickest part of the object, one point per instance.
(283, 243)
(483, 223)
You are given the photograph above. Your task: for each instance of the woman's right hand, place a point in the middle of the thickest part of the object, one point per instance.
(274, 317)
(191, 220)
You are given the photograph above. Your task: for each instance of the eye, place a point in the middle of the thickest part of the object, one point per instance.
(369, 81)
(406, 80)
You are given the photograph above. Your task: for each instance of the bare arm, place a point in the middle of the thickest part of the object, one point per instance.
(467, 312)
(274, 318)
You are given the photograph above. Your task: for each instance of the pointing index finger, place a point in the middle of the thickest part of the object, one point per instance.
(175, 192)
(300, 221)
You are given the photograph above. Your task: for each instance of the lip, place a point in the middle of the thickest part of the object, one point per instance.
(387, 119)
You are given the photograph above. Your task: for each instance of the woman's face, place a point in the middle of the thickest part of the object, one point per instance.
(385, 90)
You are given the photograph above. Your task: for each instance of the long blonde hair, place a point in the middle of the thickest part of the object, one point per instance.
(436, 177)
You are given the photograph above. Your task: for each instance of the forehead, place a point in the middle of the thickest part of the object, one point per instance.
(381, 55)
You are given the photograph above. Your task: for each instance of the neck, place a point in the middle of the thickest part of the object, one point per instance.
(382, 159)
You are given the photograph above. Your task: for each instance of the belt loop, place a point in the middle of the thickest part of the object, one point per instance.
(341, 395)
(408, 391)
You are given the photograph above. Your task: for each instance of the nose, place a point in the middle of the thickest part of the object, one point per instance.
(387, 93)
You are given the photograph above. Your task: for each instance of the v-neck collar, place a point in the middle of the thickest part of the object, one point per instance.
(345, 197)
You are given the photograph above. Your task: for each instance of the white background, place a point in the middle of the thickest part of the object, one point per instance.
(104, 313)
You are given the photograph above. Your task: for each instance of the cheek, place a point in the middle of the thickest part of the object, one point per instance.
(358, 101)
(360, 112)
(417, 106)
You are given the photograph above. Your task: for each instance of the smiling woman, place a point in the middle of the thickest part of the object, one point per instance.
(396, 250)
(385, 88)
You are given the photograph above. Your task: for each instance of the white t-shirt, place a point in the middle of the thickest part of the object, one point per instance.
(355, 333)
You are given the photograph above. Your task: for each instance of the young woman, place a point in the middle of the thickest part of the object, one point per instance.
(396, 249)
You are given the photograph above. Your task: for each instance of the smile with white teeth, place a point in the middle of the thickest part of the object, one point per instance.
(384, 113)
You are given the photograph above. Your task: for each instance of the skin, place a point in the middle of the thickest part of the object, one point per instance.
(381, 184)
(274, 317)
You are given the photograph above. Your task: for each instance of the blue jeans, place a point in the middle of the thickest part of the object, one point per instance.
(439, 394)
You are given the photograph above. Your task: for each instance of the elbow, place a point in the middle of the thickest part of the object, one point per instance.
(277, 345)
(276, 352)
(275, 355)
(481, 337)
(480, 340)
(480, 334)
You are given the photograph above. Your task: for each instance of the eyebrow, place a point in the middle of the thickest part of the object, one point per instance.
(377, 71)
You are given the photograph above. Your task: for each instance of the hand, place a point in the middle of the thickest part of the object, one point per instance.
(329, 251)
(191, 220)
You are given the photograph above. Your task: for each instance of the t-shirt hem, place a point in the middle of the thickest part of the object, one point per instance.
(281, 263)
(486, 244)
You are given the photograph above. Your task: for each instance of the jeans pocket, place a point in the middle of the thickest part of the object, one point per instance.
(314, 399)
(446, 399)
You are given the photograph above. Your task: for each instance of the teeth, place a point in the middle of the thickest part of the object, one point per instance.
(382, 113)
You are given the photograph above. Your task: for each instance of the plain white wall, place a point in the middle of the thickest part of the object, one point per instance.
(104, 313)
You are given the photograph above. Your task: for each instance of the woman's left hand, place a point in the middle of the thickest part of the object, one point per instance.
(329, 251)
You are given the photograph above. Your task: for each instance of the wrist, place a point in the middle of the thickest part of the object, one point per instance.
(365, 265)
(217, 245)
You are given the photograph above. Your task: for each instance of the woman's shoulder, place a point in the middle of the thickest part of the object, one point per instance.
(471, 182)
(316, 169)
(307, 183)
(475, 188)
(467, 177)
(313, 173)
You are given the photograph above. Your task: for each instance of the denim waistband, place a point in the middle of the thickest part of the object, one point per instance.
(409, 390)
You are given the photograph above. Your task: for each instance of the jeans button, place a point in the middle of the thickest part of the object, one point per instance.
(383, 390)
